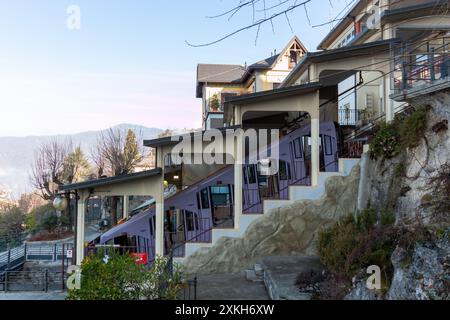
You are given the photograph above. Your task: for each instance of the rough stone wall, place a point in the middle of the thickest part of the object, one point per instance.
(403, 195)
(424, 273)
(289, 230)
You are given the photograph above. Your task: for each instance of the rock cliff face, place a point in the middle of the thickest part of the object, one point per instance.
(289, 230)
(401, 183)
(425, 275)
(402, 186)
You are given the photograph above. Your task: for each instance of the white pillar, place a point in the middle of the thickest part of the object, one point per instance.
(126, 206)
(80, 228)
(159, 232)
(159, 207)
(315, 157)
(389, 105)
(238, 185)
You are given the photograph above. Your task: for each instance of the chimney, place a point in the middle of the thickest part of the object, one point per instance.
(275, 52)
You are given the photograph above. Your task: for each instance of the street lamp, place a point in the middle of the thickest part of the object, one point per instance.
(60, 203)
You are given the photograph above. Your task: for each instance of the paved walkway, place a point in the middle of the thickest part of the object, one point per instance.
(230, 286)
(281, 275)
(32, 296)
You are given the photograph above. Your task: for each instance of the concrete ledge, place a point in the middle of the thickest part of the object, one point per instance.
(280, 275)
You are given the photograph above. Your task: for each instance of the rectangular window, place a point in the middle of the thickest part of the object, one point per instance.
(251, 174)
(297, 148)
(150, 222)
(244, 172)
(307, 145)
(262, 180)
(328, 146)
(220, 195)
(283, 170)
(204, 198)
(191, 221)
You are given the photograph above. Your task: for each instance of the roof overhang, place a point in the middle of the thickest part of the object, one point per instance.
(342, 25)
(349, 52)
(410, 12)
(268, 95)
(173, 140)
(391, 15)
(92, 184)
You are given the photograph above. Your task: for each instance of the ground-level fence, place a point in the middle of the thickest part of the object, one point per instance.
(32, 281)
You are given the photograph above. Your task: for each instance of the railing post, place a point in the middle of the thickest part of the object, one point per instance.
(25, 251)
(195, 288)
(6, 281)
(9, 258)
(431, 64)
(55, 253)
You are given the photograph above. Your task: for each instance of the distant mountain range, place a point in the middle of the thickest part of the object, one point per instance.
(16, 154)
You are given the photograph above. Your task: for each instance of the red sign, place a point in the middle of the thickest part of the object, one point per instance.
(141, 258)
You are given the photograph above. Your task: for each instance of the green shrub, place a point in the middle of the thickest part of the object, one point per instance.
(116, 279)
(50, 223)
(387, 218)
(412, 128)
(394, 137)
(386, 143)
(119, 277)
(351, 245)
(400, 170)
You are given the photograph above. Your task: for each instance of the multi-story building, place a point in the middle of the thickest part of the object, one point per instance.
(381, 53)
(217, 82)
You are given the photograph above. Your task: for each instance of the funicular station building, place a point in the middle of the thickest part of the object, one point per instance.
(317, 110)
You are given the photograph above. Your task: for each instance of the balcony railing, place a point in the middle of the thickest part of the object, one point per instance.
(347, 117)
(420, 66)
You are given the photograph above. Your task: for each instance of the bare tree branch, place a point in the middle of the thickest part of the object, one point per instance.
(255, 24)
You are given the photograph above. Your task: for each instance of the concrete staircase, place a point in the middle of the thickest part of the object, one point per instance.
(296, 193)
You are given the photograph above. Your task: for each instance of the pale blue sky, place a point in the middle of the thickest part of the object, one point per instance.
(129, 62)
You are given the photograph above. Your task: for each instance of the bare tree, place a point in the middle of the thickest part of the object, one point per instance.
(262, 12)
(47, 171)
(116, 154)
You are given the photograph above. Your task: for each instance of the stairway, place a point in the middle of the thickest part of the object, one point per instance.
(296, 193)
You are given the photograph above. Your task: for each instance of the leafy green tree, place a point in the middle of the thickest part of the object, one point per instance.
(12, 226)
(131, 152)
(76, 166)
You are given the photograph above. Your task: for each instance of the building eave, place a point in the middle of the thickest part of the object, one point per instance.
(334, 54)
(92, 184)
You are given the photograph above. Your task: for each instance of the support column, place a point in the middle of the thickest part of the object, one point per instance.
(126, 207)
(159, 207)
(80, 227)
(315, 154)
(238, 184)
(388, 103)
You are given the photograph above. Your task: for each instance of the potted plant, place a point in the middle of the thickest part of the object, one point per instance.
(214, 103)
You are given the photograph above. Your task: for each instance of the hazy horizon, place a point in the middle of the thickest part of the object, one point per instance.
(128, 63)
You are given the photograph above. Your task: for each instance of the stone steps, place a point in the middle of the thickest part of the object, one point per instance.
(280, 275)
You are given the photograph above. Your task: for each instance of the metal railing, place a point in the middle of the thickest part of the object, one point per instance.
(348, 117)
(13, 258)
(421, 65)
(43, 280)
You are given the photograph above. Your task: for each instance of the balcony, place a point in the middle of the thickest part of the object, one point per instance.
(420, 69)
